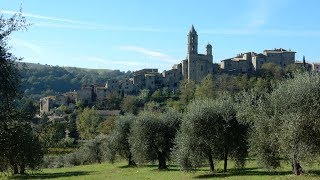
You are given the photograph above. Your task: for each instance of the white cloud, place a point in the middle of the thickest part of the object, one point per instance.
(57, 22)
(149, 53)
(37, 16)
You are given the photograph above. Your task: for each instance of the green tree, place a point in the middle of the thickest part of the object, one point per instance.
(88, 123)
(19, 147)
(152, 137)
(206, 88)
(72, 126)
(187, 90)
(157, 96)
(271, 70)
(113, 101)
(106, 126)
(129, 104)
(118, 141)
(93, 151)
(210, 130)
(285, 123)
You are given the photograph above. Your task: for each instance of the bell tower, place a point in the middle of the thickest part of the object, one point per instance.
(192, 41)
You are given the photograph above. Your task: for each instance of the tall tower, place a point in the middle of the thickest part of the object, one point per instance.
(192, 53)
(209, 49)
(192, 41)
(209, 52)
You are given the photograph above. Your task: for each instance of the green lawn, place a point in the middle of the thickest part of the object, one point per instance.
(121, 171)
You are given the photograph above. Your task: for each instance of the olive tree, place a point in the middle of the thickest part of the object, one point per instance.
(118, 140)
(285, 123)
(152, 137)
(209, 131)
(19, 147)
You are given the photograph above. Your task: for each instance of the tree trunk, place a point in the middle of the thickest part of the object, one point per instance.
(22, 168)
(225, 158)
(130, 160)
(162, 161)
(211, 162)
(15, 168)
(296, 168)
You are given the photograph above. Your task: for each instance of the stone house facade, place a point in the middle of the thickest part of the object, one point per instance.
(251, 61)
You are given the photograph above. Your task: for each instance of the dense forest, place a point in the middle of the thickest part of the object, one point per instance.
(41, 80)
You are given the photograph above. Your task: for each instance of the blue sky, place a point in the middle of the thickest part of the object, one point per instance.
(136, 34)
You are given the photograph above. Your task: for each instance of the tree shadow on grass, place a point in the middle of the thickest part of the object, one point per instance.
(244, 173)
(52, 175)
(127, 166)
(314, 172)
(250, 172)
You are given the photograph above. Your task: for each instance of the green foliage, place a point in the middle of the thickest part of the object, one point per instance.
(113, 101)
(157, 96)
(92, 151)
(106, 126)
(210, 130)
(52, 133)
(206, 88)
(271, 70)
(152, 137)
(152, 106)
(118, 141)
(187, 90)
(285, 122)
(19, 147)
(130, 104)
(40, 80)
(88, 123)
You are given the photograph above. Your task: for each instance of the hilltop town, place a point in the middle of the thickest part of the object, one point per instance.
(195, 67)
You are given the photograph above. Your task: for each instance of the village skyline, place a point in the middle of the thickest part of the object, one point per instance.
(136, 35)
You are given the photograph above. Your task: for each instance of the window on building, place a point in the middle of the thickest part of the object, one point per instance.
(201, 67)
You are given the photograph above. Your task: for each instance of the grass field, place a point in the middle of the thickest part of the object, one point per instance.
(121, 171)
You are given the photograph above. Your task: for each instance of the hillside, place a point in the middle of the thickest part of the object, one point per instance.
(41, 80)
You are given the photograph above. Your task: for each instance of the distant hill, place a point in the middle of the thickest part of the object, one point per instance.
(41, 80)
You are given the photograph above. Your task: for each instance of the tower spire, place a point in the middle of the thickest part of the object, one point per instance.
(192, 30)
(192, 41)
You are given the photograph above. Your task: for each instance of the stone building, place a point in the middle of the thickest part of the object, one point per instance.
(86, 94)
(316, 67)
(46, 104)
(281, 57)
(195, 67)
(251, 61)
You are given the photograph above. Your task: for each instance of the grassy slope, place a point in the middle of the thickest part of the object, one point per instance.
(120, 171)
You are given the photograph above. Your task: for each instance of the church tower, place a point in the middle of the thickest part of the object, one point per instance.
(192, 53)
(192, 41)
(209, 50)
